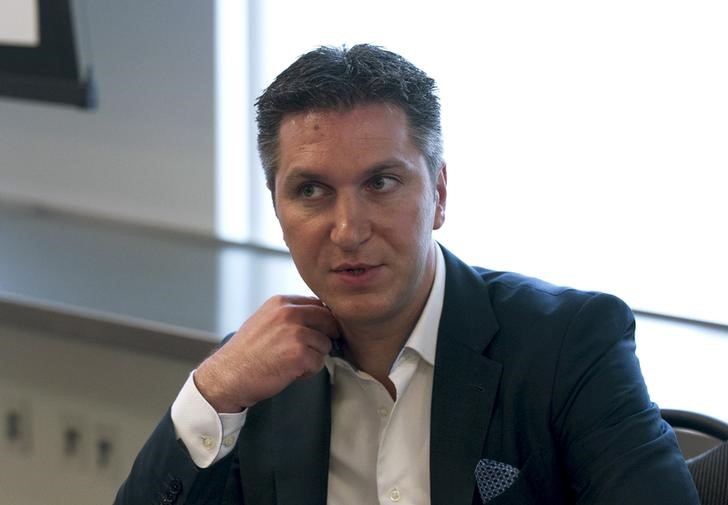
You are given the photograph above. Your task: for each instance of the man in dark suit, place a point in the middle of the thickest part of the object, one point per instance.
(411, 377)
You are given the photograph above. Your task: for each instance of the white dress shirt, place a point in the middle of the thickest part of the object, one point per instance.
(380, 447)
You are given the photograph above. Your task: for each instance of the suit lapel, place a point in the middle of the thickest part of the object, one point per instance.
(302, 431)
(464, 385)
(464, 388)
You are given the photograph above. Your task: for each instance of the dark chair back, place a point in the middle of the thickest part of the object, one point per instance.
(709, 469)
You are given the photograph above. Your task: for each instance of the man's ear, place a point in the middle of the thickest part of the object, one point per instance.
(440, 197)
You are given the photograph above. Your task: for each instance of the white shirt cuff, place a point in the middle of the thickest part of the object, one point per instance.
(208, 436)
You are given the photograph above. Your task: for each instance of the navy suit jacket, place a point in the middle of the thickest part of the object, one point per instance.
(541, 378)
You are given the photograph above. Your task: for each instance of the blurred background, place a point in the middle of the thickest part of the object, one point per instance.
(586, 144)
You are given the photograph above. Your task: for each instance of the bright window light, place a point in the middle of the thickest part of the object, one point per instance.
(232, 121)
(585, 141)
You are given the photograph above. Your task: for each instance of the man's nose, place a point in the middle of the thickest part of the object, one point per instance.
(352, 222)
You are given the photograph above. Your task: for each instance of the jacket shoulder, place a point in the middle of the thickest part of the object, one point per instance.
(510, 292)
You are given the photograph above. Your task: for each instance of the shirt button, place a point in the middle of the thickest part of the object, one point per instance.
(383, 411)
(228, 441)
(395, 495)
(208, 442)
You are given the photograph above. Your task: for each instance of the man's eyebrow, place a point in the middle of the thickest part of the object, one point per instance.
(385, 165)
(304, 174)
(299, 174)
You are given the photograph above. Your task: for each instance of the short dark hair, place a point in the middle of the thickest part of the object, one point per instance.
(340, 79)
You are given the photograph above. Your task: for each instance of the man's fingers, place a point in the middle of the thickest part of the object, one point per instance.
(319, 343)
(312, 311)
(298, 300)
(313, 363)
(318, 318)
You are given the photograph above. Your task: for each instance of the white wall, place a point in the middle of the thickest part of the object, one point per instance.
(102, 392)
(147, 153)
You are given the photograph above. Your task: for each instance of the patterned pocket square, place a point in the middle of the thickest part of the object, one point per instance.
(494, 477)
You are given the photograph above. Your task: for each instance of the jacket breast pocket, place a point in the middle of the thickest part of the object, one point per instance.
(501, 484)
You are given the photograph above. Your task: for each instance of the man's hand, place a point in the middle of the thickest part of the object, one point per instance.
(286, 339)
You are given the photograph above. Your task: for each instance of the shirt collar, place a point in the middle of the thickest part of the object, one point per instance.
(423, 339)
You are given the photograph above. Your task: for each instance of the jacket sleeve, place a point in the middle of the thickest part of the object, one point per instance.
(616, 447)
(164, 474)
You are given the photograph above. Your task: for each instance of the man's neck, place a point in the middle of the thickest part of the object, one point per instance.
(372, 347)
(374, 354)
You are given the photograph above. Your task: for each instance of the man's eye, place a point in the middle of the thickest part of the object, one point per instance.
(382, 183)
(310, 191)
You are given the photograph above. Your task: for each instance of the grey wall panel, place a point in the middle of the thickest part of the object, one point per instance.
(147, 153)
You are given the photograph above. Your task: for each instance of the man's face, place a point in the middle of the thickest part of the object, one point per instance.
(357, 207)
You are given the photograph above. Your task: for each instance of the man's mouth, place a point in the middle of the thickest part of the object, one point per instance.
(353, 270)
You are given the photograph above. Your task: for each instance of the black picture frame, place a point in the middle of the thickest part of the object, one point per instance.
(51, 71)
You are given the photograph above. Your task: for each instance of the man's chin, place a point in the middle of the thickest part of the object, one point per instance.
(359, 314)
